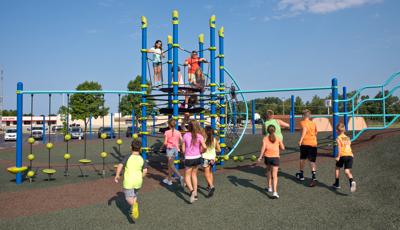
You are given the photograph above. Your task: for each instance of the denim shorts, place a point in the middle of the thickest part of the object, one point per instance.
(172, 152)
(131, 193)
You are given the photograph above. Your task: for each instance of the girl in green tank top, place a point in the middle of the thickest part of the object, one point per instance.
(275, 123)
(209, 158)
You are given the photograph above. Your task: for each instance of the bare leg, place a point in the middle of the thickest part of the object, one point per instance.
(269, 177)
(337, 171)
(188, 180)
(171, 166)
(194, 178)
(348, 174)
(209, 177)
(313, 166)
(302, 162)
(275, 177)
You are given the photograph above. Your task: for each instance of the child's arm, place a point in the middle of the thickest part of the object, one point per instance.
(217, 146)
(144, 172)
(118, 173)
(303, 134)
(203, 145)
(339, 146)
(281, 145)
(183, 147)
(202, 60)
(262, 151)
(165, 140)
(283, 124)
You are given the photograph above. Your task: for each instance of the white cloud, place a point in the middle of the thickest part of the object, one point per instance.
(321, 6)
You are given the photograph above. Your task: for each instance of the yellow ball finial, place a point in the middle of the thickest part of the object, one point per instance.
(221, 32)
(169, 39)
(201, 38)
(175, 17)
(144, 22)
(212, 21)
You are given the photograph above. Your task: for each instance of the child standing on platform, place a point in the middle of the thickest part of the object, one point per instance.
(172, 139)
(157, 61)
(209, 159)
(270, 151)
(193, 63)
(135, 168)
(344, 158)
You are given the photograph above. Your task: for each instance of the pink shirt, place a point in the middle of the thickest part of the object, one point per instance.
(192, 151)
(172, 138)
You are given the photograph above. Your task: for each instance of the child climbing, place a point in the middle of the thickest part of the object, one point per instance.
(272, 144)
(209, 159)
(172, 139)
(135, 168)
(344, 158)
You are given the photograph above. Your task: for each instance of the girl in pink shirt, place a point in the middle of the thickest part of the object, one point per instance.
(172, 140)
(193, 144)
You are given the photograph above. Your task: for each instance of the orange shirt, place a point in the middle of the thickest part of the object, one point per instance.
(344, 145)
(271, 149)
(310, 138)
(194, 64)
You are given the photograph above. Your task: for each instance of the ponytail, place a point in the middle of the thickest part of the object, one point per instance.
(171, 124)
(271, 132)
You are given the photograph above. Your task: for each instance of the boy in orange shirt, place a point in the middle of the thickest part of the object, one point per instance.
(193, 63)
(308, 146)
(344, 158)
(270, 152)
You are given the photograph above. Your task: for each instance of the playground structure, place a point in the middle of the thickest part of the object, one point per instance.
(222, 101)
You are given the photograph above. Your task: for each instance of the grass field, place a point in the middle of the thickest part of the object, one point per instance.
(240, 202)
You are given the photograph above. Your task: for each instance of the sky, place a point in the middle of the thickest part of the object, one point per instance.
(55, 45)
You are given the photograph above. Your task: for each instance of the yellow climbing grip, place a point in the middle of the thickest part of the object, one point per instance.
(49, 171)
(85, 161)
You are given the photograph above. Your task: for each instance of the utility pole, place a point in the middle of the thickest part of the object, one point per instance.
(1, 97)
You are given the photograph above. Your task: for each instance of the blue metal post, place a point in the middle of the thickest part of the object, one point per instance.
(253, 121)
(345, 116)
(201, 55)
(292, 114)
(44, 129)
(212, 65)
(153, 116)
(335, 110)
(90, 126)
(175, 45)
(111, 125)
(222, 113)
(144, 87)
(383, 106)
(234, 116)
(18, 154)
(133, 128)
(169, 72)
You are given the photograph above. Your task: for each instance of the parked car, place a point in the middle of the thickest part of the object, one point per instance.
(76, 133)
(107, 130)
(129, 132)
(36, 128)
(56, 128)
(37, 134)
(10, 135)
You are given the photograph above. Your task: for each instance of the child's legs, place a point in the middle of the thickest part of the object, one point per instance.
(159, 72)
(269, 176)
(275, 177)
(208, 175)
(313, 166)
(337, 171)
(302, 163)
(171, 167)
(348, 173)
(188, 180)
(131, 200)
(194, 178)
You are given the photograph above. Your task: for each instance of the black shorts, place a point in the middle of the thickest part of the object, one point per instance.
(347, 162)
(271, 161)
(308, 152)
(192, 162)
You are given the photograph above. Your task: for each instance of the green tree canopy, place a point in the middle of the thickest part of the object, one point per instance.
(133, 101)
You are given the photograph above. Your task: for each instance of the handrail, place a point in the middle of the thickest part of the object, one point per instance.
(247, 113)
(358, 92)
(375, 128)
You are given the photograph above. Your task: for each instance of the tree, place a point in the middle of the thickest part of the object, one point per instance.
(9, 112)
(84, 105)
(131, 101)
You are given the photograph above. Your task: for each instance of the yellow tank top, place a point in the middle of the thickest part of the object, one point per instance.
(344, 145)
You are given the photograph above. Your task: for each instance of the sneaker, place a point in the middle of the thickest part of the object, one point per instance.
(192, 198)
(275, 195)
(135, 211)
(336, 186)
(300, 176)
(182, 181)
(353, 186)
(211, 192)
(166, 181)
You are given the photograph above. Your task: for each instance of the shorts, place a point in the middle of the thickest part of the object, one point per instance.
(271, 161)
(131, 193)
(172, 152)
(157, 64)
(192, 162)
(191, 78)
(346, 161)
(308, 152)
(207, 162)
